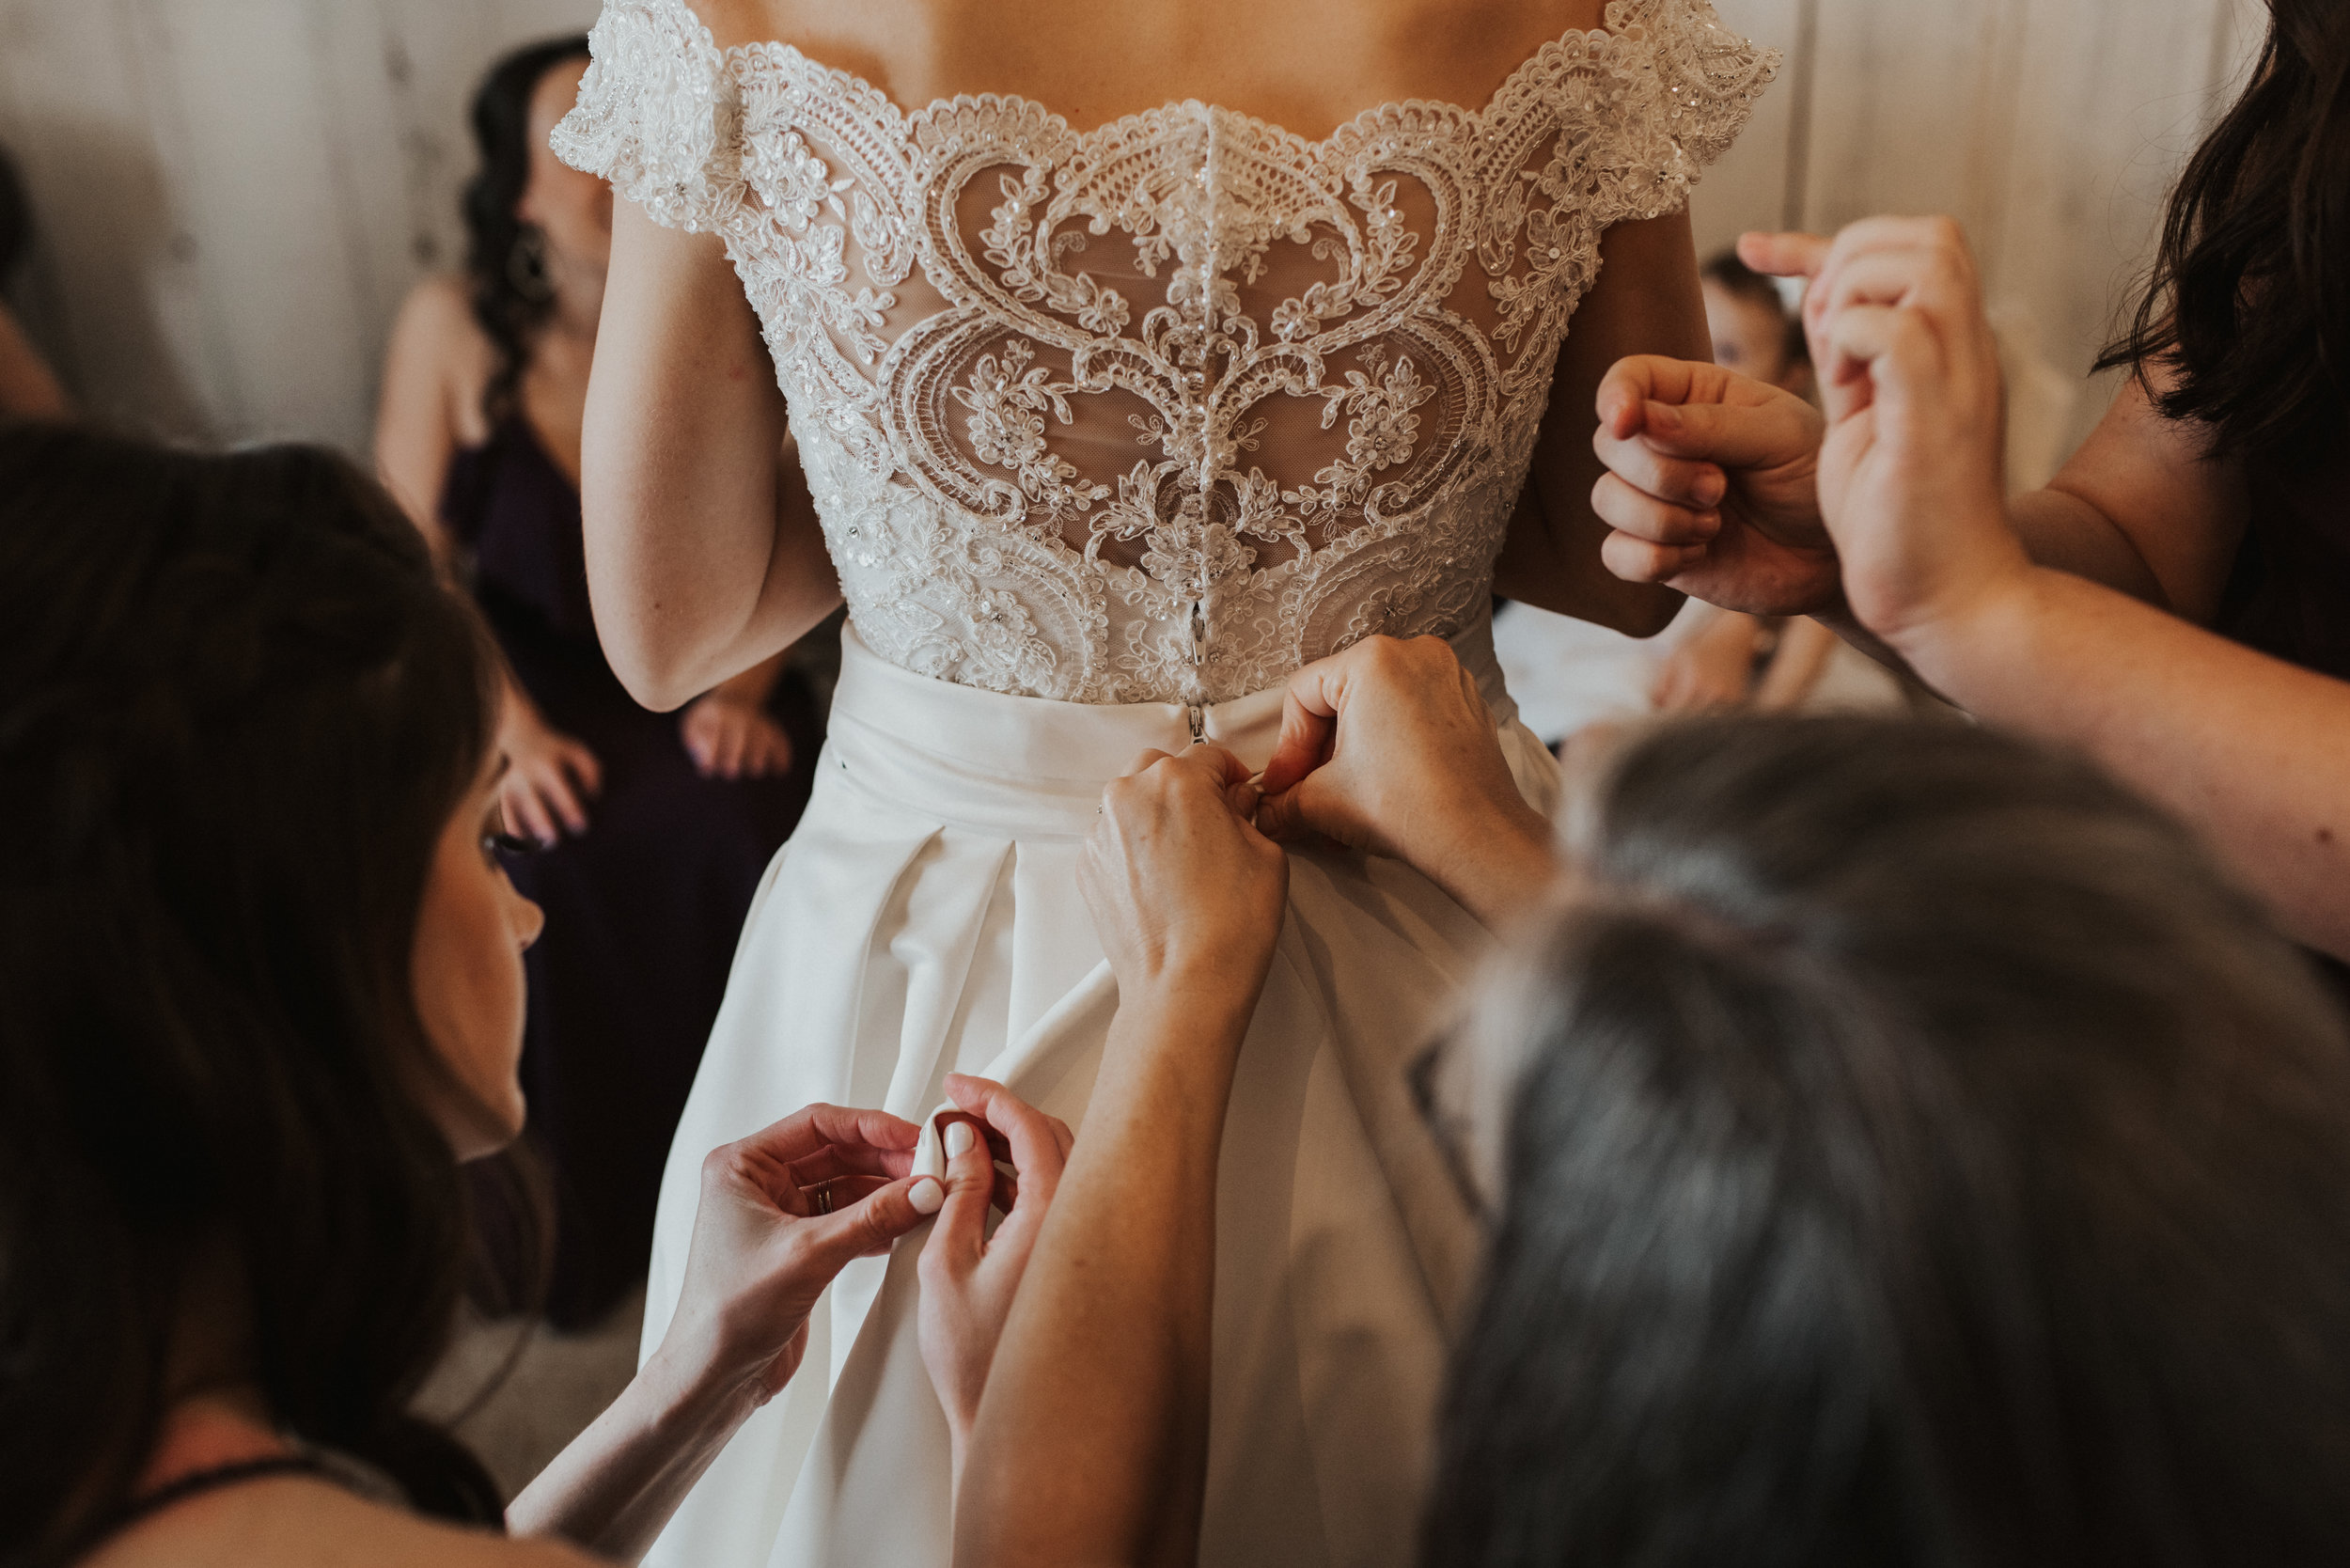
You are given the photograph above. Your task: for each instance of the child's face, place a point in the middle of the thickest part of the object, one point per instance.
(1749, 337)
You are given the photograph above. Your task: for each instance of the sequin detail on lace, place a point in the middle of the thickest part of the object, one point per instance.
(1162, 410)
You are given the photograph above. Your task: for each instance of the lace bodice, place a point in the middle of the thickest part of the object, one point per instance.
(1162, 410)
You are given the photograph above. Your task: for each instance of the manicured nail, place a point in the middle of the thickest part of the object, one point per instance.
(927, 1196)
(958, 1139)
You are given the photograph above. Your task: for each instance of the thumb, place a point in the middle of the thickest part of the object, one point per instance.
(869, 1226)
(1307, 810)
(1304, 745)
(962, 1233)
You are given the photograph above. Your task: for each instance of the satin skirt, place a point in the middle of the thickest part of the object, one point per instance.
(925, 919)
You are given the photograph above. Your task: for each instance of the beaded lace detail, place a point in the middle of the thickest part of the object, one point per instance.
(1162, 410)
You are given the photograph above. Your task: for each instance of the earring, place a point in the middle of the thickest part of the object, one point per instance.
(526, 266)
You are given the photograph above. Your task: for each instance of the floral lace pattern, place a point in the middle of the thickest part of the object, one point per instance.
(1159, 411)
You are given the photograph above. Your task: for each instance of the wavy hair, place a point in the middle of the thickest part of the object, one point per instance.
(2247, 305)
(236, 712)
(510, 298)
(1924, 1158)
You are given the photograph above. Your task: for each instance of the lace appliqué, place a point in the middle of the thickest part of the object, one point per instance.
(1162, 410)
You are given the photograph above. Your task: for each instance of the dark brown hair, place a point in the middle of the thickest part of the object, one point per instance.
(1923, 1157)
(511, 297)
(236, 712)
(2248, 303)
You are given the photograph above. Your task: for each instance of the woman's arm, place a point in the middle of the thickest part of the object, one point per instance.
(704, 555)
(1804, 647)
(436, 355)
(2140, 509)
(433, 374)
(1090, 1444)
(2252, 751)
(28, 388)
(761, 1254)
(1646, 301)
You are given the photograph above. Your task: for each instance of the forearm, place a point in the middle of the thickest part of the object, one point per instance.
(28, 389)
(616, 1484)
(2252, 752)
(1495, 863)
(2068, 534)
(1091, 1439)
(704, 557)
(753, 687)
(1804, 645)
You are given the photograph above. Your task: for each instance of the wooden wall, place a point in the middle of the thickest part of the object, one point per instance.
(236, 192)
(2051, 128)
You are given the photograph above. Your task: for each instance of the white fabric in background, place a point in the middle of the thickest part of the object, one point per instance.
(1566, 674)
(925, 919)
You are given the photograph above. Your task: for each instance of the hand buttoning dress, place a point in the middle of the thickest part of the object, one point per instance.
(1109, 431)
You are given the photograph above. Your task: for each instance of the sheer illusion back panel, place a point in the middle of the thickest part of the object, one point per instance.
(1160, 410)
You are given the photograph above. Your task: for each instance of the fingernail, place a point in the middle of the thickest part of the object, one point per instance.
(1711, 488)
(958, 1139)
(927, 1196)
(1664, 416)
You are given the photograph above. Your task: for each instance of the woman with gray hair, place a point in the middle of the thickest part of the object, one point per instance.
(1910, 1150)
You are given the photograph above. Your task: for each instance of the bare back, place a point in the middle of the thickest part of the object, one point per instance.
(1146, 354)
(1308, 66)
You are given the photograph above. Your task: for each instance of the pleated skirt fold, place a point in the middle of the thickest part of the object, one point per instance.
(925, 919)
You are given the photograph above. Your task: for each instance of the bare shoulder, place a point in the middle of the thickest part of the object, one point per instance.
(301, 1523)
(437, 317)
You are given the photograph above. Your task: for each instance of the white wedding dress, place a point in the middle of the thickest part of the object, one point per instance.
(1109, 431)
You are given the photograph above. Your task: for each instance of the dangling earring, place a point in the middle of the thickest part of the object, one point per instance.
(526, 266)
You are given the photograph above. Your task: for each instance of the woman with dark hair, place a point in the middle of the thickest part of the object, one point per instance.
(260, 980)
(2213, 491)
(1899, 1147)
(658, 828)
(28, 388)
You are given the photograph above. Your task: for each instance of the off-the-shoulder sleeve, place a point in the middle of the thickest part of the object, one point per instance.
(657, 115)
(1693, 89)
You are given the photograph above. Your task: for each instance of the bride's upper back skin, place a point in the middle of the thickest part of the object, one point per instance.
(707, 551)
(1306, 66)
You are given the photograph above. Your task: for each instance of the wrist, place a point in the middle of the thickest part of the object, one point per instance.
(692, 1389)
(1957, 621)
(1500, 860)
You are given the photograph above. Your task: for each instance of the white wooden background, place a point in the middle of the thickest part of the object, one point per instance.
(236, 192)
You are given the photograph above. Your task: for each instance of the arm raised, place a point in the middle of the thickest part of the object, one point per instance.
(1646, 301)
(704, 555)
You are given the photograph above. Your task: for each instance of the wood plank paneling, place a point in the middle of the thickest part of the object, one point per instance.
(238, 193)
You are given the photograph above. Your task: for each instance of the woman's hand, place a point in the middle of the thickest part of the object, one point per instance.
(782, 1212)
(549, 775)
(1388, 747)
(969, 1277)
(1910, 474)
(1711, 487)
(1711, 669)
(1185, 892)
(731, 738)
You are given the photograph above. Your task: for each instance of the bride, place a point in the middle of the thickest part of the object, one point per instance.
(1118, 360)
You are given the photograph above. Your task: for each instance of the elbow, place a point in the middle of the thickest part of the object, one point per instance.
(1646, 611)
(651, 668)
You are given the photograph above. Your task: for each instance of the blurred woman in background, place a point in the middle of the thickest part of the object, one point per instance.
(655, 828)
(28, 388)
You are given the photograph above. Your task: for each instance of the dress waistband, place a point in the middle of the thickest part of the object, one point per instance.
(1032, 764)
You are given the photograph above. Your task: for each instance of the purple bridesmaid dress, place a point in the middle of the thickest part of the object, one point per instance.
(642, 911)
